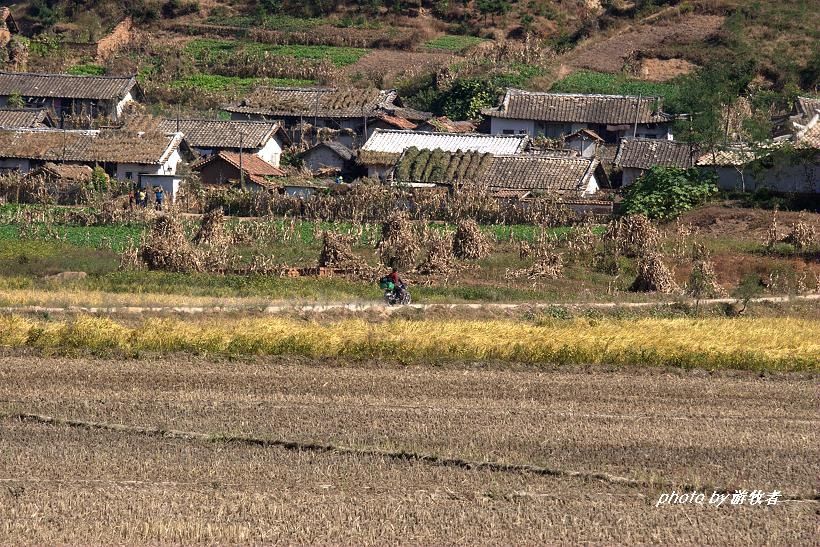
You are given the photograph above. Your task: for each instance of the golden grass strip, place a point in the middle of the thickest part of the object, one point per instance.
(785, 344)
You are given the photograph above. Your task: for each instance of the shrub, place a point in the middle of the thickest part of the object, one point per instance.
(666, 192)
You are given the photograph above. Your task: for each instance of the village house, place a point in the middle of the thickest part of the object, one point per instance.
(66, 95)
(329, 158)
(519, 175)
(555, 115)
(207, 137)
(443, 124)
(335, 108)
(384, 148)
(587, 143)
(123, 155)
(234, 169)
(782, 169)
(13, 118)
(636, 156)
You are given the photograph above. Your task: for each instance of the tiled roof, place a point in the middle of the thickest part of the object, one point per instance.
(65, 86)
(255, 168)
(809, 136)
(407, 113)
(221, 133)
(445, 124)
(314, 101)
(585, 133)
(22, 117)
(539, 173)
(732, 156)
(386, 145)
(578, 108)
(341, 150)
(808, 107)
(67, 171)
(88, 146)
(648, 153)
(397, 122)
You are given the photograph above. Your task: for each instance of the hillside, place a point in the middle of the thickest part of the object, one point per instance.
(447, 56)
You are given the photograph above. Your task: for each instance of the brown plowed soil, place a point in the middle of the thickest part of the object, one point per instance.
(665, 428)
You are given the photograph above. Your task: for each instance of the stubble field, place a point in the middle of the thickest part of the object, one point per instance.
(379, 452)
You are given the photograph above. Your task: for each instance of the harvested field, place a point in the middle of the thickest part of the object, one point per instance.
(610, 54)
(387, 65)
(659, 429)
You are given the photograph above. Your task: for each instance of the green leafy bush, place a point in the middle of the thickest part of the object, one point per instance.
(666, 192)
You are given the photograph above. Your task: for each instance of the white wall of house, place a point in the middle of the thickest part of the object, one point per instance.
(781, 178)
(271, 152)
(129, 98)
(584, 146)
(630, 174)
(504, 126)
(323, 157)
(592, 186)
(23, 166)
(136, 169)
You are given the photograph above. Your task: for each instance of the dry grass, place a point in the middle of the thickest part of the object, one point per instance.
(771, 343)
(104, 486)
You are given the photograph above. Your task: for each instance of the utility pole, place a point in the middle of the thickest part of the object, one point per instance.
(241, 172)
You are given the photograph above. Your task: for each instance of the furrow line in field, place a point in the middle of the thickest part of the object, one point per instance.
(375, 452)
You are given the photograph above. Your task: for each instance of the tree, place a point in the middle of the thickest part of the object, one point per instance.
(99, 179)
(15, 100)
(465, 99)
(665, 192)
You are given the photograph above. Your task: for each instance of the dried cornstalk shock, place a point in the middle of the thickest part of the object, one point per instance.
(524, 249)
(703, 280)
(469, 242)
(548, 262)
(771, 233)
(802, 234)
(166, 247)
(399, 246)
(440, 259)
(632, 235)
(211, 228)
(653, 275)
(337, 251)
(681, 240)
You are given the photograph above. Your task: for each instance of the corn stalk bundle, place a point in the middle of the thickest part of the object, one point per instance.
(681, 240)
(337, 251)
(166, 247)
(211, 228)
(632, 235)
(399, 246)
(802, 234)
(703, 280)
(653, 275)
(582, 239)
(469, 242)
(440, 259)
(771, 233)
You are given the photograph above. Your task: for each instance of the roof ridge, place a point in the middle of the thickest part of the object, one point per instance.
(450, 134)
(61, 74)
(566, 94)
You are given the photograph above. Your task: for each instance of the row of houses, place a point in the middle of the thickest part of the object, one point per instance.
(569, 144)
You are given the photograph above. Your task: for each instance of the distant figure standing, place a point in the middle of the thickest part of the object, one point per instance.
(132, 199)
(159, 195)
(142, 197)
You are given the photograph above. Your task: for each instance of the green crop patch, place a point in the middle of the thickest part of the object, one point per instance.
(454, 43)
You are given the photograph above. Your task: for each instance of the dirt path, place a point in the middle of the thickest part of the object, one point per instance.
(381, 307)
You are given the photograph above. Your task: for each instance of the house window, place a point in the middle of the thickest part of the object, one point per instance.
(509, 132)
(129, 175)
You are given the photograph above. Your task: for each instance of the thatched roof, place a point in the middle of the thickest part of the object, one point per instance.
(88, 146)
(27, 84)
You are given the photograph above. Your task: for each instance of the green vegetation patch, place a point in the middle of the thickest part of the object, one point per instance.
(454, 43)
(585, 81)
(217, 83)
(221, 51)
(87, 69)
